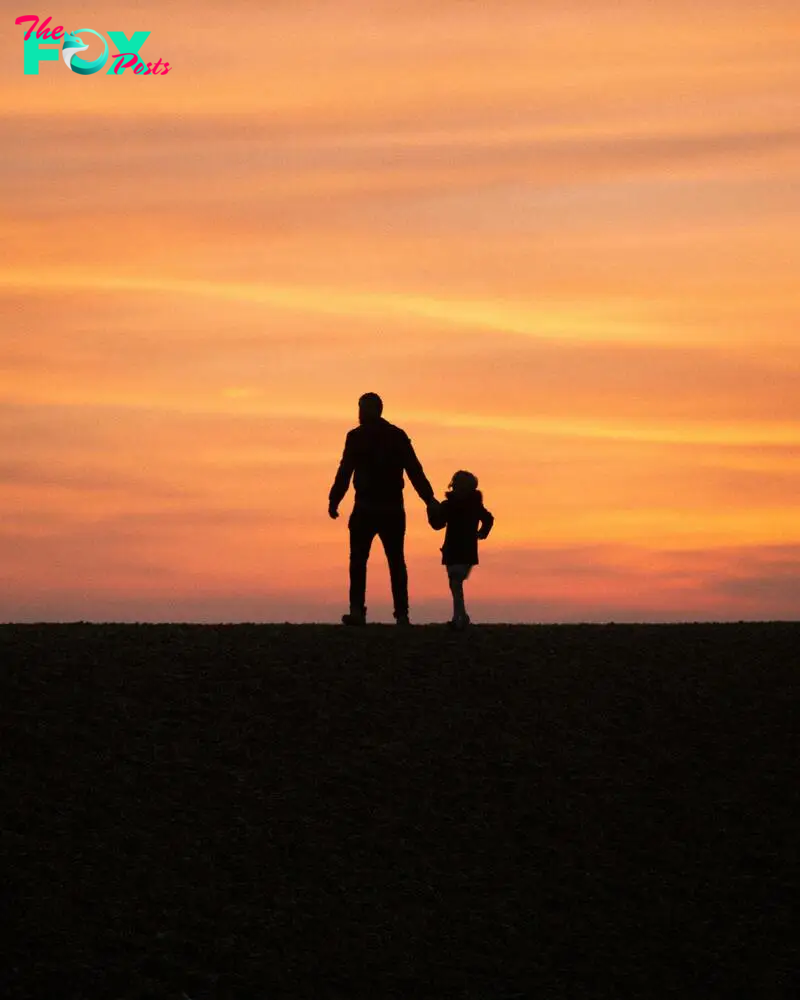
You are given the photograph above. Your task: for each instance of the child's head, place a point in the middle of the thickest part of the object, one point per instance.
(463, 483)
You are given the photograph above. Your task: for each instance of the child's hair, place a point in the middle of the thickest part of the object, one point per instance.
(462, 484)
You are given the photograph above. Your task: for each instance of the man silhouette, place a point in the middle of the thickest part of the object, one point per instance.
(376, 453)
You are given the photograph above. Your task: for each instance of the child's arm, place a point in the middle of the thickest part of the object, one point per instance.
(486, 522)
(437, 514)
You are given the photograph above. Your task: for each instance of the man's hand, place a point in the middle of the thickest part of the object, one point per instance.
(434, 511)
(333, 513)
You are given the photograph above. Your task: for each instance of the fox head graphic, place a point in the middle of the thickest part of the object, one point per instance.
(73, 44)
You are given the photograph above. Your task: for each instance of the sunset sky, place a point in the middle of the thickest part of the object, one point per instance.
(561, 240)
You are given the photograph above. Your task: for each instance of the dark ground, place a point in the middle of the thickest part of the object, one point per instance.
(308, 811)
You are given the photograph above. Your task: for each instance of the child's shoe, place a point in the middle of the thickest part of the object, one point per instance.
(459, 622)
(355, 617)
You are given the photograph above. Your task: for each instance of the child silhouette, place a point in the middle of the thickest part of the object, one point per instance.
(466, 519)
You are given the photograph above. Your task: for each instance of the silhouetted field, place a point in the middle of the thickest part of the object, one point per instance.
(308, 811)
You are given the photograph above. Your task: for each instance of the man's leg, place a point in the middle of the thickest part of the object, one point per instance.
(362, 531)
(392, 532)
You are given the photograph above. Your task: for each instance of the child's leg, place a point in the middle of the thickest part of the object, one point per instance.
(456, 575)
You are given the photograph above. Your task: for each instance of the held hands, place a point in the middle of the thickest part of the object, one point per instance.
(434, 514)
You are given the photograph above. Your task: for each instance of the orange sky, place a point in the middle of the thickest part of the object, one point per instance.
(563, 245)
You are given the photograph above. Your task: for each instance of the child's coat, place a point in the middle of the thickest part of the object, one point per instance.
(466, 520)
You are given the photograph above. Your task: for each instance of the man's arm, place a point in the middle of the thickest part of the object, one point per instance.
(416, 476)
(486, 522)
(343, 474)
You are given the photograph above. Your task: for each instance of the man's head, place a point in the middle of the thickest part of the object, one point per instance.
(370, 407)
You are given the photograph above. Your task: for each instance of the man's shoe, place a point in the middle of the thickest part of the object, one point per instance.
(355, 618)
(402, 620)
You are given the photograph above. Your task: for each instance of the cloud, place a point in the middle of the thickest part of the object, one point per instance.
(768, 578)
(310, 180)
